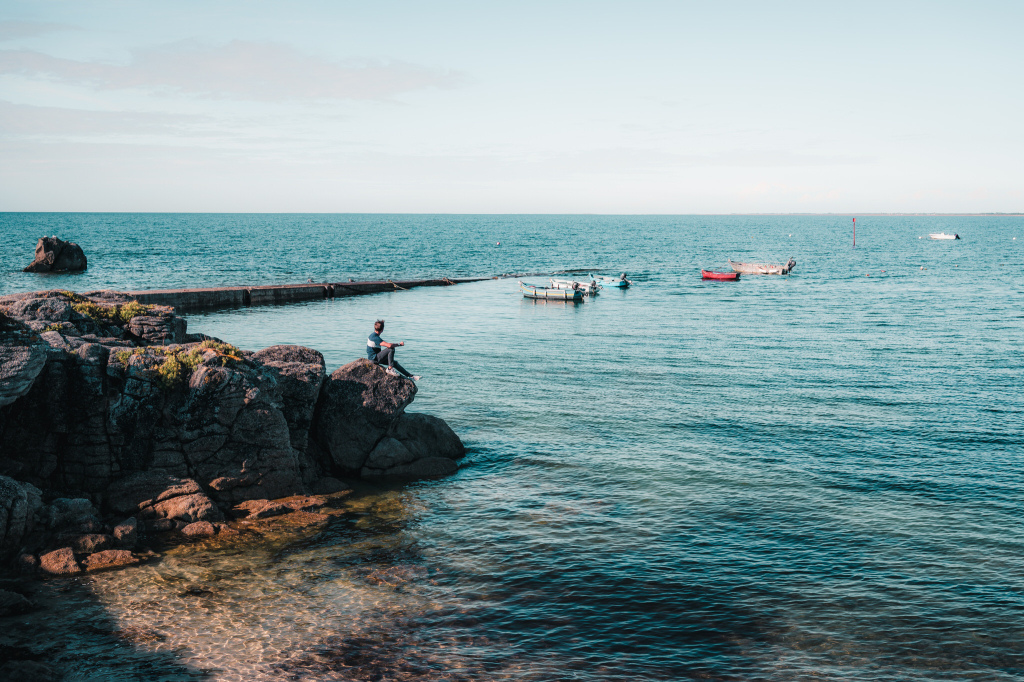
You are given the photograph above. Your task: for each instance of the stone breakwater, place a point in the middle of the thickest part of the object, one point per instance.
(115, 421)
(277, 294)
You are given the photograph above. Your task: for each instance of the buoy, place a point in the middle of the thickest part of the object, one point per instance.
(922, 267)
(791, 234)
(919, 237)
(499, 243)
(883, 270)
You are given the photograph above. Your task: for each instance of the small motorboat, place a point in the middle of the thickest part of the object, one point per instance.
(619, 282)
(943, 235)
(550, 294)
(763, 268)
(722, 276)
(590, 289)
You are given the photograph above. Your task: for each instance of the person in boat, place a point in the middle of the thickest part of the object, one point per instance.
(381, 352)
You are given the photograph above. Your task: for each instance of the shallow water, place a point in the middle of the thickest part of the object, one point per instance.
(812, 477)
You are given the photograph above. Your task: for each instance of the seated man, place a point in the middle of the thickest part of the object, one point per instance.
(380, 351)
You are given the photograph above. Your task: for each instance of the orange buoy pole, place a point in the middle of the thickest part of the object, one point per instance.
(855, 233)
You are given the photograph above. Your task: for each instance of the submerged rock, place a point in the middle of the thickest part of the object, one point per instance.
(111, 558)
(126, 533)
(56, 255)
(12, 603)
(199, 529)
(155, 495)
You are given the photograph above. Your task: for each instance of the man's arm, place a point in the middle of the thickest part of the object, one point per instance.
(388, 344)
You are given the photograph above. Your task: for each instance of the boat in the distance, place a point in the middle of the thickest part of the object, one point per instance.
(722, 276)
(550, 294)
(619, 282)
(943, 235)
(763, 268)
(589, 289)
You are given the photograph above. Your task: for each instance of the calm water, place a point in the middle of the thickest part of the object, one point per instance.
(812, 477)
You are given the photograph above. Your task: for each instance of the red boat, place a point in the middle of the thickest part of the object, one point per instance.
(725, 276)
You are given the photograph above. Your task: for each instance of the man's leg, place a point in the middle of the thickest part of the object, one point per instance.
(386, 356)
(400, 368)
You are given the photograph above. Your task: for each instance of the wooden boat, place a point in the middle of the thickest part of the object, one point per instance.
(614, 282)
(549, 294)
(943, 235)
(590, 289)
(763, 268)
(723, 276)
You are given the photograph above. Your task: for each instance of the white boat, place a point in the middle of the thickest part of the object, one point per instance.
(547, 293)
(763, 268)
(943, 235)
(590, 289)
(619, 282)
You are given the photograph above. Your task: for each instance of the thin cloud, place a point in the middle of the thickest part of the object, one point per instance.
(24, 119)
(267, 72)
(11, 30)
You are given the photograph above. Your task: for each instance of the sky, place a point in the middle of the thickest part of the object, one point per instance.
(527, 107)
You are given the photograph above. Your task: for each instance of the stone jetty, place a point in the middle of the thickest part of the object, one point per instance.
(116, 421)
(230, 297)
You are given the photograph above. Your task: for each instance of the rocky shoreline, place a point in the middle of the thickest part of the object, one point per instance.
(117, 424)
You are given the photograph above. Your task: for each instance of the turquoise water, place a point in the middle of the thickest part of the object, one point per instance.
(810, 477)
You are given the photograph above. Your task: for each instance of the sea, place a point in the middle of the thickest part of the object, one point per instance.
(817, 476)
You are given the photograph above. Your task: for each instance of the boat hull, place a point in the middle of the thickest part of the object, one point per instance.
(760, 268)
(546, 294)
(943, 235)
(720, 276)
(589, 289)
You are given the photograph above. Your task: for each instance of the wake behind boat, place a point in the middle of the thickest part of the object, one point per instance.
(943, 235)
(763, 268)
(550, 294)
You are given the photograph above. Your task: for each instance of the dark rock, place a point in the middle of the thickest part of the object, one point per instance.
(56, 255)
(59, 562)
(358, 404)
(199, 529)
(300, 374)
(19, 367)
(27, 564)
(90, 543)
(424, 435)
(389, 453)
(158, 330)
(75, 514)
(51, 309)
(429, 467)
(329, 486)
(415, 438)
(187, 508)
(160, 525)
(20, 503)
(12, 603)
(152, 494)
(126, 533)
(111, 558)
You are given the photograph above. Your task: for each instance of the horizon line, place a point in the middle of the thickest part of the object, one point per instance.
(756, 213)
